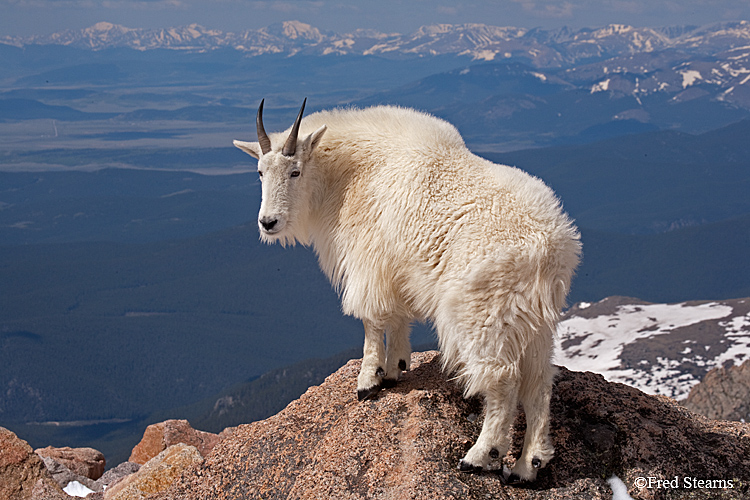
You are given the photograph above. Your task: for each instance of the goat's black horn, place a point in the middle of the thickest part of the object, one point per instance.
(263, 140)
(290, 147)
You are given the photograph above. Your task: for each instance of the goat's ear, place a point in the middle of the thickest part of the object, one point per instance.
(251, 148)
(316, 136)
(311, 141)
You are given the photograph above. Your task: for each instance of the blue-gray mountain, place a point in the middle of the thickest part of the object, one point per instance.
(505, 88)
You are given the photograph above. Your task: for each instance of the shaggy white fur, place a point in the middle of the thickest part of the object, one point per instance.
(408, 224)
(619, 489)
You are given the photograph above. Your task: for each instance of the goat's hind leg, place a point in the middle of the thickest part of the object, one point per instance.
(535, 394)
(398, 351)
(500, 410)
(373, 362)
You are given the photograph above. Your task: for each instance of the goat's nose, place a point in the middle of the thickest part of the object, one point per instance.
(268, 223)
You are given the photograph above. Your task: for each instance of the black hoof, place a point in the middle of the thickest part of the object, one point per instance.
(370, 393)
(380, 372)
(401, 364)
(494, 453)
(536, 463)
(467, 467)
(388, 383)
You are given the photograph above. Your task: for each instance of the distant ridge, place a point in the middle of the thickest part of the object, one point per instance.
(632, 76)
(544, 48)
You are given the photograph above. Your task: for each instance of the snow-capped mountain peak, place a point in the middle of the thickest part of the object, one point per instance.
(295, 30)
(542, 48)
(105, 27)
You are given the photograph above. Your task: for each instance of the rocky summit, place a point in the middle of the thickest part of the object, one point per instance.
(611, 441)
(406, 443)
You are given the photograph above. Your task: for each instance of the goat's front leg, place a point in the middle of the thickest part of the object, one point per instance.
(398, 350)
(373, 361)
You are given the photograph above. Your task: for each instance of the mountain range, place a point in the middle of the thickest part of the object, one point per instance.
(505, 88)
(544, 48)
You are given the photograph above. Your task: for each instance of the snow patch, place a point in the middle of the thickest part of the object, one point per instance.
(484, 55)
(596, 344)
(76, 489)
(738, 332)
(601, 86)
(689, 77)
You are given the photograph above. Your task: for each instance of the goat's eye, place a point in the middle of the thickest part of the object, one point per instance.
(260, 174)
(295, 173)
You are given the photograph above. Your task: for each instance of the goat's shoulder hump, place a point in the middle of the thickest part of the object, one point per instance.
(385, 123)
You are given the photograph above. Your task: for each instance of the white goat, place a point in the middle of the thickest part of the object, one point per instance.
(408, 224)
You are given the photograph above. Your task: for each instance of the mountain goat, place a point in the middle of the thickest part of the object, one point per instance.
(409, 225)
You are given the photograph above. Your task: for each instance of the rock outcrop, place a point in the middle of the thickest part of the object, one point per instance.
(64, 476)
(406, 443)
(23, 475)
(86, 462)
(111, 478)
(156, 475)
(723, 394)
(48, 490)
(114, 475)
(159, 437)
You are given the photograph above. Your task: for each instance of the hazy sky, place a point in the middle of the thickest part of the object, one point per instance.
(25, 17)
